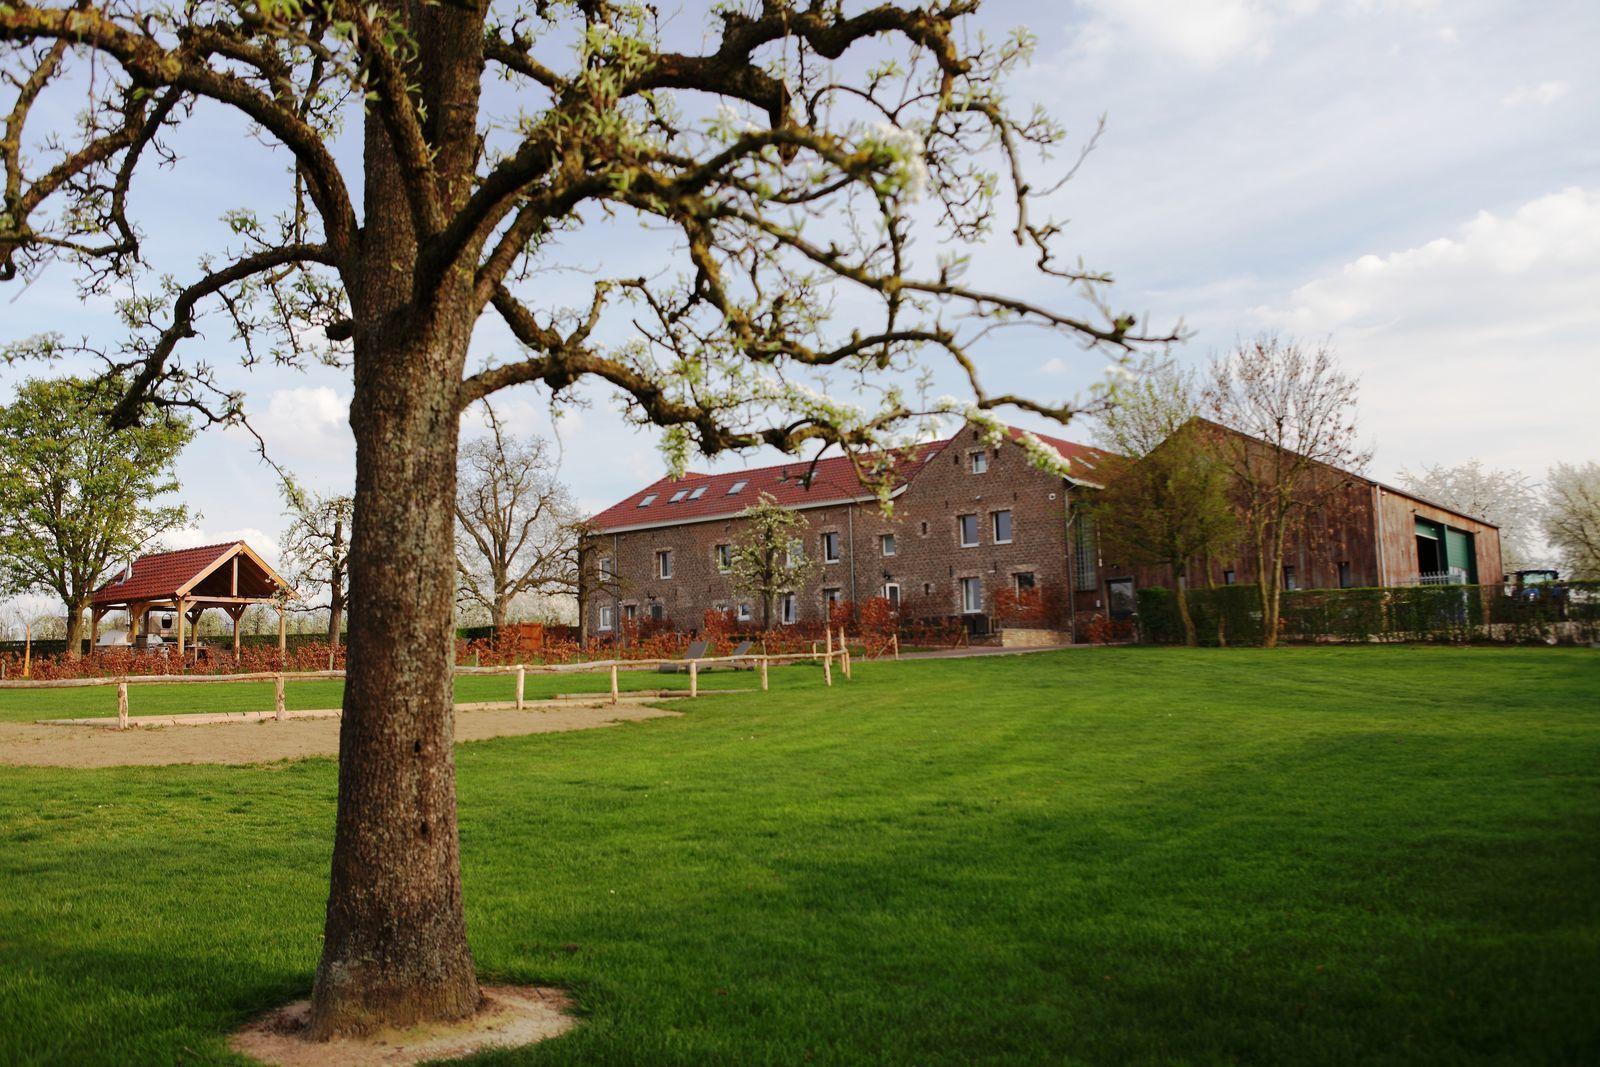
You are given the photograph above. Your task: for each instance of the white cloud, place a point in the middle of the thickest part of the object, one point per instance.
(1483, 342)
(306, 423)
(1204, 32)
(1542, 95)
(265, 544)
(1054, 365)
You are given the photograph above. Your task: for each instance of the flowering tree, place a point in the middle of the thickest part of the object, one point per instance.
(1293, 450)
(769, 559)
(784, 158)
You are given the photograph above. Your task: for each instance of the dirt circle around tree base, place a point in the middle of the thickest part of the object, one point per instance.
(511, 1016)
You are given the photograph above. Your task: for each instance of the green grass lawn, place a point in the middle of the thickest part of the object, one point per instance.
(27, 705)
(1298, 856)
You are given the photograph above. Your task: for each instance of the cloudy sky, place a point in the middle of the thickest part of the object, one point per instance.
(1418, 181)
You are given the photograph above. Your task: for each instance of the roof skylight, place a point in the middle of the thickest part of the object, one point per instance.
(736, 486)
(699, 491)
(647, 500)
(679, 495)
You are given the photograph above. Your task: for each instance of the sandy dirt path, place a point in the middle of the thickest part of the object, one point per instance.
(37, 745)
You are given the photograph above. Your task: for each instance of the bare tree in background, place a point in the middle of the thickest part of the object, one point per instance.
(316, 549)
(1509, 499)
(1294, 412)
(1572, 518)
(516, 524)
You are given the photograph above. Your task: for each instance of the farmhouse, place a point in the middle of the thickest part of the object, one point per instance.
(976, 532)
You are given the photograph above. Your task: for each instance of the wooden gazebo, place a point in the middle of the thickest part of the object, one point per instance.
(187, 582)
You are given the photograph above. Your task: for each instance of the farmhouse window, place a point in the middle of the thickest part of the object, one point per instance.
(971, 595)
(979, 462)
(891, 593)
(605, 618)
(886, 544)
(1229, 577)
(1024, 580)
(786, 609)
(1085, 555)
(1002, 526)
(658, 611)
(630, 612)
(969, 530)
(830, 547)
(1345, 580)
(724, 557)
(664, 563)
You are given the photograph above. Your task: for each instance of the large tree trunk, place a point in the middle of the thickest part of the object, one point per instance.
(395, 944)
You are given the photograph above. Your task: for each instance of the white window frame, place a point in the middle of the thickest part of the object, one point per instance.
(978, 461)
(1016, 580)
(886, 545)
(830, 546)
(894, 601)
(607, 620)
(630, 612)
(832, 595)
(742, 613)
(961, 531)
(795, 550)
(606, 565)
(664, 564)
(994, 525)
(723, 554)
(658, 611)
(788, 609)
(976, 608)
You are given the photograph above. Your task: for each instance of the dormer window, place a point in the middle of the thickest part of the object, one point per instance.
(647, 500)
(737, 486)
(679, 495)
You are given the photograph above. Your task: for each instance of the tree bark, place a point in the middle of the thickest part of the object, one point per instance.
(395, 945)
(74, 630)
(1189, 637)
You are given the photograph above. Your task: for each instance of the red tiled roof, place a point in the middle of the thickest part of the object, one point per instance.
(831, 480)
(161, 574)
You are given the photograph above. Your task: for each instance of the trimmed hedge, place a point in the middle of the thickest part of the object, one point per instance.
(1561, 612)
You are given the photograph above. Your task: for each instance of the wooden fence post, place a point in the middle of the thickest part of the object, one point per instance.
(694, 677)
(763, 674)
(122, 705)
(522, 673)
(827, 668)
(613, 682)
(894, 641)
(844, 653)
(277, 698)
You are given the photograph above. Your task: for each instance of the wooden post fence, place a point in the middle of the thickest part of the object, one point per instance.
(280, 679)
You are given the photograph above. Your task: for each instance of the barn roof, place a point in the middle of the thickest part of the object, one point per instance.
(194, 571)
(796, 483)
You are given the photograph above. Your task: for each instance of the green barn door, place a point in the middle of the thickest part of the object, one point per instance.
(1459, 553)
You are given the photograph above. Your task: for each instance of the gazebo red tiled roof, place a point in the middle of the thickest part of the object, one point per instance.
(167, 576)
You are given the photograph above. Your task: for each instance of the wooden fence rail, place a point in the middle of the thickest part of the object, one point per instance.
(758, 661)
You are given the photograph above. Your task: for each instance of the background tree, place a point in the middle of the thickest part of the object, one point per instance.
(1294, 413)
(1169, 507)
(1148, 410)
(316, 549)
(765, 561)
(77, 499)
(780, 175)
(1506, 498)
(1572, 518)
(516, 522)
